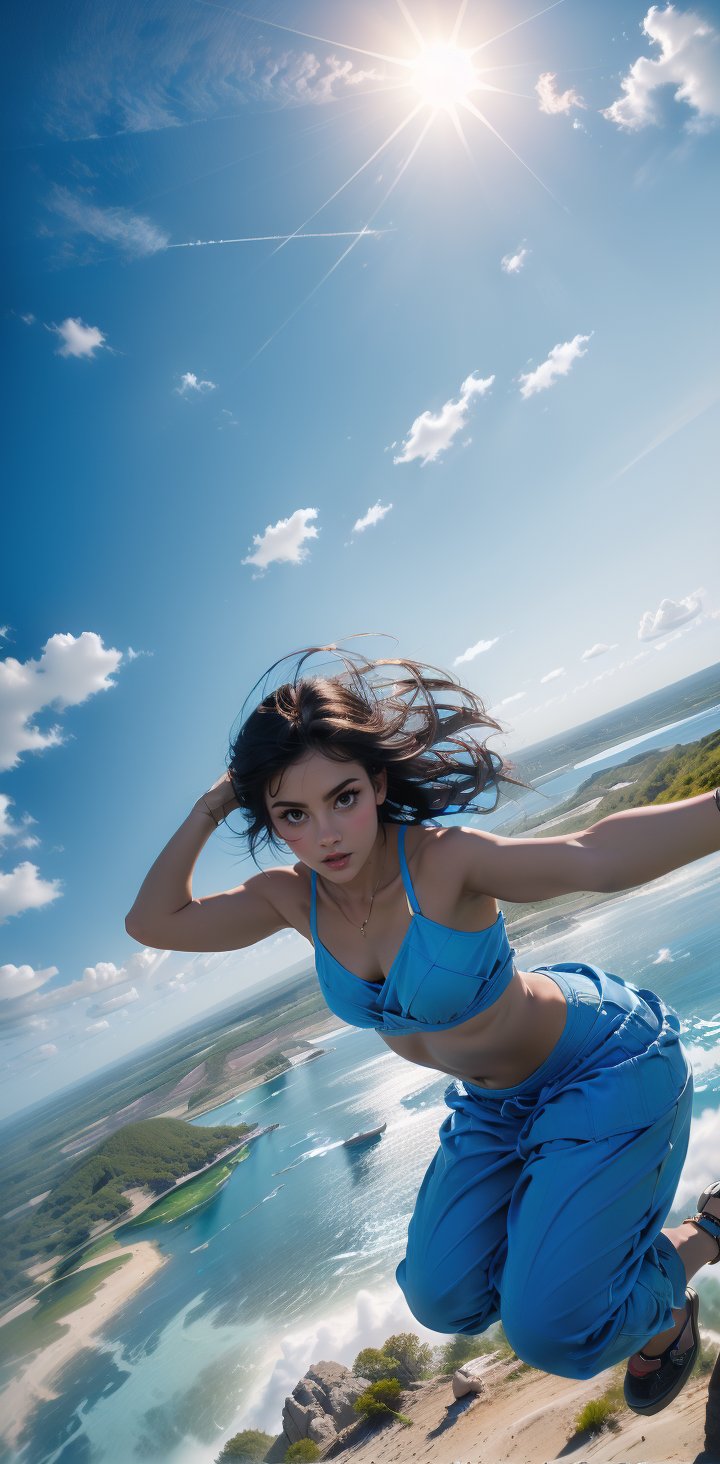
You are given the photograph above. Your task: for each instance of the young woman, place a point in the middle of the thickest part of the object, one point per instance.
(571, 1096)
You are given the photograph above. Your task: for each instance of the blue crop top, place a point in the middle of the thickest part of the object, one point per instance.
(439, 978)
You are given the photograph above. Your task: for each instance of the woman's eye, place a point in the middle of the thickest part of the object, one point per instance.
(295, 823)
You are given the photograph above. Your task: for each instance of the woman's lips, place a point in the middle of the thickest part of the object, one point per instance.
(335, 860)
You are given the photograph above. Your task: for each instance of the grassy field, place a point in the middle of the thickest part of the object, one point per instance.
(189, 1196)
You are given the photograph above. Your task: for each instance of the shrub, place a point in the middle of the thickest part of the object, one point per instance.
(463, 1347)
(376, 1400)
(248, 1446)
(303, 1449)
(707, 1357)
(598, 1414)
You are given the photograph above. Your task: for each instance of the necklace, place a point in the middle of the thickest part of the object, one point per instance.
(361, 928)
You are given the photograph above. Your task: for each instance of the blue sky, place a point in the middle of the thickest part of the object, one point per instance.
(473, 404)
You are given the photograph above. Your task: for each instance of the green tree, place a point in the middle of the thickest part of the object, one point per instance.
(248, 1446)
(376, 1400)
(415, 1357)
(376, 1364)
(460, 1349)
(303, 1449)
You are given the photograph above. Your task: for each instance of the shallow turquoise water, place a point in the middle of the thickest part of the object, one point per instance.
(294, 1259)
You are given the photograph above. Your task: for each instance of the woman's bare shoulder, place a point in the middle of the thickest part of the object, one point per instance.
(288, 888)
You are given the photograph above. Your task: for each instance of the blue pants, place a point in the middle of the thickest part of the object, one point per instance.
(544, 1202)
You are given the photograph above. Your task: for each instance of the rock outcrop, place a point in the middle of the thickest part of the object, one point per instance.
(472, 1376)
(320, 1405)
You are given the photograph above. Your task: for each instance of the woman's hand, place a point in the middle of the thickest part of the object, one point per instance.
(220, 799)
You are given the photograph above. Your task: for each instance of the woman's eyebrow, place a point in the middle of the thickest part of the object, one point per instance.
(286, 803)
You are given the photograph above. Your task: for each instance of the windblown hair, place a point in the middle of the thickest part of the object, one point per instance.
(365, 714)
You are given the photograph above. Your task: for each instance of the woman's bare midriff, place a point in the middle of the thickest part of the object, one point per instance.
(499, 1047)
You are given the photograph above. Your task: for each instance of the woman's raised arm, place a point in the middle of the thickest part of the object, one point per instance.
(165, 915)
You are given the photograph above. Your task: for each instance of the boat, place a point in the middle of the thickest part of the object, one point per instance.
(365, 1135)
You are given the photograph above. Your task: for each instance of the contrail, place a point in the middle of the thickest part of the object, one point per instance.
(274, 238)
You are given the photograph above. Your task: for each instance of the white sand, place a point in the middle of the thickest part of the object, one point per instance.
(34, 1380)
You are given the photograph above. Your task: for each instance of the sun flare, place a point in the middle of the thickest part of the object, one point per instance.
(444, 75)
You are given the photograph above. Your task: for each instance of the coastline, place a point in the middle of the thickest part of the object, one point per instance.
(33, 1382)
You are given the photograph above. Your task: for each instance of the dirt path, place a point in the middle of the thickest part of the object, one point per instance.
(530, 1420)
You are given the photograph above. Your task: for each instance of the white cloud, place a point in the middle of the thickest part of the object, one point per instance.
(372, 517)
(477, 650)
(558, 363)
(701, 1159)
(110, 81)
(689, 61)
(16, 831)
(70, 670)
(551, 100)
(18, 981)
(513, 263)
(301, 77)
(132, 234)
(115, 1002)
(32, 995)
(48, 1049)
(24, 889)
(508, 700)
(77, 338)
(599, 649)
(668, 616)
(284, 542)
(190, 382)
(28, 319)
(663, 956)
(432, 432)
(102, 1026)
(553, 675)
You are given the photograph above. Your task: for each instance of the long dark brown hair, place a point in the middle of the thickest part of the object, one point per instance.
(404, 723)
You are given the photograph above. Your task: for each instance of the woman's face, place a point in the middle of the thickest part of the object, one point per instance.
(323, 807)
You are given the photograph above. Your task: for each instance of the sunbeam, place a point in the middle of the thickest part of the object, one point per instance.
(481, 118)
(354, 175)
(458, 22)
(345, 252)
(518, 26)
(402, 7)
(306, 35)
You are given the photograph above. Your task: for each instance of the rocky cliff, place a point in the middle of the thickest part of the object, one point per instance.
(320, 1405)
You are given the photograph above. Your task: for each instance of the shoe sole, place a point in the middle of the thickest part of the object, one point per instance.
(672, 1393)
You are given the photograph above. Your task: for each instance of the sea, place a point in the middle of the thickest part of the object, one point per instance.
(293, 1261)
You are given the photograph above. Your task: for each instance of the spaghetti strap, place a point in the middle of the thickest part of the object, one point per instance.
(412, 900)
(313, 906)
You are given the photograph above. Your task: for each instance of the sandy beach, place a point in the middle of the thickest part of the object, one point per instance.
(34, 1379)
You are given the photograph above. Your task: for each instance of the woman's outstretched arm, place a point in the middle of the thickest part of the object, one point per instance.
(625, 849)
(165, 915)
(639, 844)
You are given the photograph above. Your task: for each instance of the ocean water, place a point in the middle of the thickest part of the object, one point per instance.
(294, 1259)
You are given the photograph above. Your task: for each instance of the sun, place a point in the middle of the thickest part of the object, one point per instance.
(437, 77)
(444, 75)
